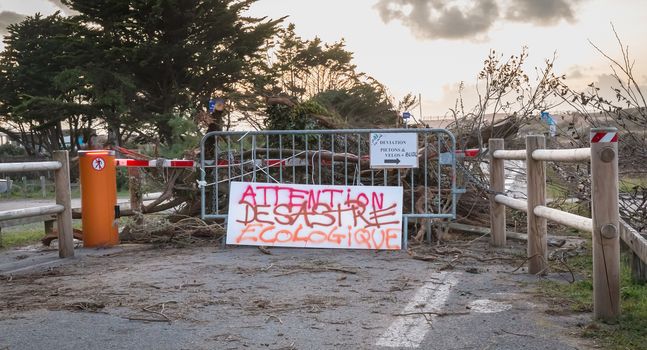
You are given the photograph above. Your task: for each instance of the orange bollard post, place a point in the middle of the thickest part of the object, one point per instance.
(99, 198)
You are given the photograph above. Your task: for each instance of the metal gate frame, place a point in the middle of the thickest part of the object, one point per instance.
(262, 163)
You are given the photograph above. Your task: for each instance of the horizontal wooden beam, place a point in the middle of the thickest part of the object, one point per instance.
(25, 221)
(571, 220)
(564, 218)
(510, 154)
(29, 212)
(557, 242)
(511, 202)
(636, 242)
(562, 155)
(29, 166)
(76, 213)
(485, 231)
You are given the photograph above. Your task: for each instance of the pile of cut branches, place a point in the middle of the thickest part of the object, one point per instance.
(159, 229)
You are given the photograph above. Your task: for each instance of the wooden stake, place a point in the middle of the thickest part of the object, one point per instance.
(637, 246)
(537, 235)
(43, 186)
(49, 226)
(497, 184)
(638, 269)
(606, 230)
(135, 189)
(64, 219)
(9, 183)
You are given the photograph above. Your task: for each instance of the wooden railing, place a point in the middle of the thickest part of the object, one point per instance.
(638, 246)
(63, 207)
(604, 224)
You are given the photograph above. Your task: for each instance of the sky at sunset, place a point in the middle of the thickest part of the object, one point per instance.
(430, 46)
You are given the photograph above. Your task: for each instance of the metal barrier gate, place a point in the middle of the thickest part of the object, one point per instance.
(329, 157)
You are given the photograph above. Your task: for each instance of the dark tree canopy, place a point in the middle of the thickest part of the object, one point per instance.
(177, 53)
(322, 81)
(142, 69)
(129, 65)
(42, 84)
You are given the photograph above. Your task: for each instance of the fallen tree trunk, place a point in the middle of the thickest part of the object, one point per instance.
(78, 213)
(512, 235)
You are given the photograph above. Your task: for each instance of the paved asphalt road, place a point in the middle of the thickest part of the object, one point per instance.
(239, 298)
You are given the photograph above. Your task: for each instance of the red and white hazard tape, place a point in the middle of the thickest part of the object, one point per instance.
(166, 163)
(468, 153)
(274, 163)
(604, 136)
(268, 163)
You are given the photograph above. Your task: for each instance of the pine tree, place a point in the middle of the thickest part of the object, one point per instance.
(178, 53)
(40, 81)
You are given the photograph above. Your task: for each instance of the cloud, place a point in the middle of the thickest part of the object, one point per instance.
(542, 12)
(7, 18)
(450, 99)
(459, 19)
(575, 74)
(436, 19)
(58, 4)
(579, 73)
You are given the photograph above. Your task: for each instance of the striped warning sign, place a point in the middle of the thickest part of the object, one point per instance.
(604, 136)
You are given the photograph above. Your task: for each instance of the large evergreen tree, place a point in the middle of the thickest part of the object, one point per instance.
(177, 52)
(41, 85)
(322, 75)
(140, 68)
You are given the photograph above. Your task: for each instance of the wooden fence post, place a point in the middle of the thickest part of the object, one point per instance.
(135, 189)
(49, 226)
(638, 269)
(9, 185)
(43, 186)
(606, 231)
(629, 240)
(536, 180)
(24, 186)
(497, 185)
(64, 219)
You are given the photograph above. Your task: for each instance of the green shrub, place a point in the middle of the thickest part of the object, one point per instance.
(9, 149)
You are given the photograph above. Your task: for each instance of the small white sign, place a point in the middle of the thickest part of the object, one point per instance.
(394, 150)
(315, 216)
(98, 164)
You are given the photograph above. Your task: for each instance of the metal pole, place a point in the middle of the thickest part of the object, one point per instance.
(420, 106)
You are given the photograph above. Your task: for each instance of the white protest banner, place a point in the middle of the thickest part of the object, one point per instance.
(315, 216)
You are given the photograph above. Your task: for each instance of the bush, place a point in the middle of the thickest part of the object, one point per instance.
(9, 149)
(122, 179)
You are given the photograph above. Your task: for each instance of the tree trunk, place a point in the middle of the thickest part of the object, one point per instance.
(114, 134)
(165, 131)
(215, 125)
